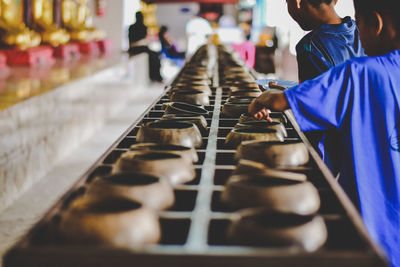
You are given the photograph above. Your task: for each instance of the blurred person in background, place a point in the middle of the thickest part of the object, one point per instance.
(167, 45)
(138, 43)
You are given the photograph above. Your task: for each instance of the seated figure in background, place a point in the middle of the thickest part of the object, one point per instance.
(43, 22)
(139, 44)
(76, 18)
(168, 47)
(13, 30)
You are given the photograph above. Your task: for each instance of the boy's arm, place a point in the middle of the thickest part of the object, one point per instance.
(317, 104)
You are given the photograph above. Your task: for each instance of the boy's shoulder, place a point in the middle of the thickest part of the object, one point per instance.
(358, 64)
(374, 61)
(327, 33)
(310, 41)
(376, 66)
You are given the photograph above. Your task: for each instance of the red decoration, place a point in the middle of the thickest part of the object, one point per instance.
(41, 55)
(90, 48)
(3, 60)
(4, 71)
(67, 51)
(211, 16)
(106, 46)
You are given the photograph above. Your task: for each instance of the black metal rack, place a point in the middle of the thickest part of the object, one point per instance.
(193, 230)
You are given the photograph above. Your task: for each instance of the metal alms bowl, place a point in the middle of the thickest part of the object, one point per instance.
(170, 132)
(196, 75)
(261, 227)
(149, 190)
(191, 97)
(169, 166)
(249, 167)
(246, 93)
(237, 81)
(276, 193)
(184, 108)
(244, 87)
(198, 120)
(274, 154)
(237, 76)
(233, 110)
(114, 222)
(191, 81)
(238, 99)
(188, 153)
(274, 116)
(191, 87)
(237, 136)
(264, 125)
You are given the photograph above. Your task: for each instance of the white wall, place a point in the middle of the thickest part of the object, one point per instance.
(111, 22)
(345, 8)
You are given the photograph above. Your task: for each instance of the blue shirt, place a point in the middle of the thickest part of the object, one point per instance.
(361, 99)
(328, 46)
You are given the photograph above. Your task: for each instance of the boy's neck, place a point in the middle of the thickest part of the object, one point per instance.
(396, 45)
(325, 14)
(389, 46)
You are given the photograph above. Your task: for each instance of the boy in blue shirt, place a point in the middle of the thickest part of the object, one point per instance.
(361, 99)
(331, 42)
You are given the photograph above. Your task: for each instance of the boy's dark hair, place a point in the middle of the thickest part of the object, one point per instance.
(317, 3)
(385, 7)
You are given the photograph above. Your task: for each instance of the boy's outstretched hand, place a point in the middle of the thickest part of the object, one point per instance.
(271, 99)
(258, 111)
